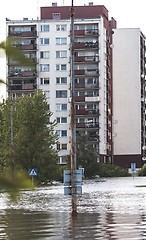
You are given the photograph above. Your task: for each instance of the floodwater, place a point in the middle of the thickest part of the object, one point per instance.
(111, 209)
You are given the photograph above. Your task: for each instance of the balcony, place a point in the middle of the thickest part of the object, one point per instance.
(19, 73)
(92, 99)
(80, 125)
(92, 86)
(79, 99)
(87, 59)
(23, 34)
(81, 111)
(23, 87)
(92, 32)
(79, 32)
(28, 47)
(79, 59)
(79, 72)
(87, 112)
(92, 72)
(79, 85)
(82, 45)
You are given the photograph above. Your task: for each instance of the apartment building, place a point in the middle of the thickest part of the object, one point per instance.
(129, 97)
(48, 42)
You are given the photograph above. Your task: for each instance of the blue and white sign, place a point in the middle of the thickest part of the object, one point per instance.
(133, 167)
(33, 171)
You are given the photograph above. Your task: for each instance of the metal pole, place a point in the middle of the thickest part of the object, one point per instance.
(73, 122)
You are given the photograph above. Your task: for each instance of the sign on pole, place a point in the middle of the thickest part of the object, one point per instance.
(67, 182)
(33, 172)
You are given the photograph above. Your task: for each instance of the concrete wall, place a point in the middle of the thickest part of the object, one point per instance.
(126, 92)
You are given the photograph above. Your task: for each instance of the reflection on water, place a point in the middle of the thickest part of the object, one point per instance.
(115, 209)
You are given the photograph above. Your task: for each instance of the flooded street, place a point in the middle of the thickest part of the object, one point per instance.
(111, 209)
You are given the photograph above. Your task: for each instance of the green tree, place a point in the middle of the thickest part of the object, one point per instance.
(33, 135)
(87, 156)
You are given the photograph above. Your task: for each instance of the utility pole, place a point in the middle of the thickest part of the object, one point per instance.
(73, 121)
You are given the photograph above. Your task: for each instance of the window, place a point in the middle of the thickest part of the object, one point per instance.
(44, 41)
(62, 146)
(61, 107)
(61, 41)
(63, 159)
(45, 81)
(92, 93)
(61, 54)
(61, 28)
(61, 80)
(45, 28)
(62, 120)
(61, 67)
(44, 67)
(45, 54)
(61, 94)
(56, 16)
(61, 133)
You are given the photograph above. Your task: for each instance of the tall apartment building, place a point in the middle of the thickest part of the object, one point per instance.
(129, 97)
(47, 41)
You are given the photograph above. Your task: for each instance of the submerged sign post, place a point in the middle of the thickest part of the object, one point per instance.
(33, 172)
(133, 168)
(67, 182)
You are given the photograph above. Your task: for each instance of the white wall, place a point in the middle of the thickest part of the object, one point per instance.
(126, 91)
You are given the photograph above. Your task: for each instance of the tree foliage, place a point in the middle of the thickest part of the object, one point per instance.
(87, 156)
(33, 136)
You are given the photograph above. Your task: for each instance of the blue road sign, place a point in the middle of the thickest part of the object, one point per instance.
(33, 171)
(133, 167)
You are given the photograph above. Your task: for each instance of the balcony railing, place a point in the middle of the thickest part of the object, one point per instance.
(23, 34)
(20, 73)
(81, 45)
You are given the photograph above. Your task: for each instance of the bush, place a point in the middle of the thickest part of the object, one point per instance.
(142, 171)
(110, 170)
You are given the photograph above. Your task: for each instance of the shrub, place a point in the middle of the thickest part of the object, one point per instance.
(142, 171)
(110, 170)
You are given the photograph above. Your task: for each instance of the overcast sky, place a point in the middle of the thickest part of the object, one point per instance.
(127, 13)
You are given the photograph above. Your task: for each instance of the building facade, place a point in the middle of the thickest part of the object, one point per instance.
(109, 78)
(129, 97)
(48, 42)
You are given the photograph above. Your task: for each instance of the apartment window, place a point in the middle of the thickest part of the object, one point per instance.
(61, 67)
(45, 81)
(56, 16)
(80, 93)
(62, 120)
(61, 94)
(61, 28)
(61, 54)
(92, 93)
(44, 54)
(62, 146)
(61, 80)
(61, 41)
(45, 28)
(63, 159)
(44, 67)
(91, 80)
(61, 133)
(44, 41)
(61, 107)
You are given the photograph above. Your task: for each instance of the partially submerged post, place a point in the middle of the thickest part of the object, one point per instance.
(73, 120)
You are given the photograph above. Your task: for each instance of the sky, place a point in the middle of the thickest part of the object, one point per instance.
(127, 13)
